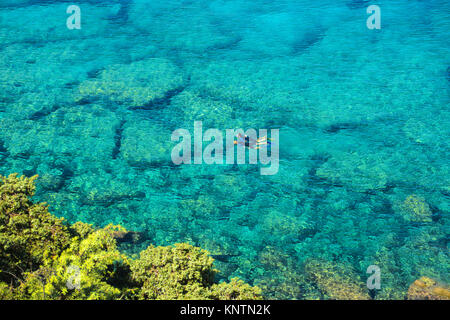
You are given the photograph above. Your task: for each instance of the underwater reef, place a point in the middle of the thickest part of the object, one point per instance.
(428, 289)
(336, 282)
(364, 135)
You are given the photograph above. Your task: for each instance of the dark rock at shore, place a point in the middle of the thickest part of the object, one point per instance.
(129, 236)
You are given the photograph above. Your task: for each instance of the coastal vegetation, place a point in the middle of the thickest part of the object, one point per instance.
(44, 257)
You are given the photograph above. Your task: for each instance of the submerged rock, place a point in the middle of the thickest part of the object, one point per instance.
(288, 282)
(109, 197)
(189, 107)
(335, 281)
(145, 143)
(360, 171)
(189, 28)
(428, 289)
(135, 84)
(419, 132)
(51, 181)
(415, 208)
(128, 236)
(103, 189)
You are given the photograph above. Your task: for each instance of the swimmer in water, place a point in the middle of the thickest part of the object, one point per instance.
(245, 140)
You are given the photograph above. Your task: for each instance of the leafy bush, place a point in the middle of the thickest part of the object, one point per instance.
(29, 234)
(183, 271)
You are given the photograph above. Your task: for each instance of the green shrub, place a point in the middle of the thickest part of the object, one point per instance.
(235, 290)
(6, 292)
(29, 234)
(178, 272)
(183, 271)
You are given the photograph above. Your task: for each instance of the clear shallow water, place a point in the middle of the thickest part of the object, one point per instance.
(363, 118)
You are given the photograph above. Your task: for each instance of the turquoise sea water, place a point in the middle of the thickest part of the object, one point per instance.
(363, 118)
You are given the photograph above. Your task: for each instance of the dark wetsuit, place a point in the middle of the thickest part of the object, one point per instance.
(246, 141)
